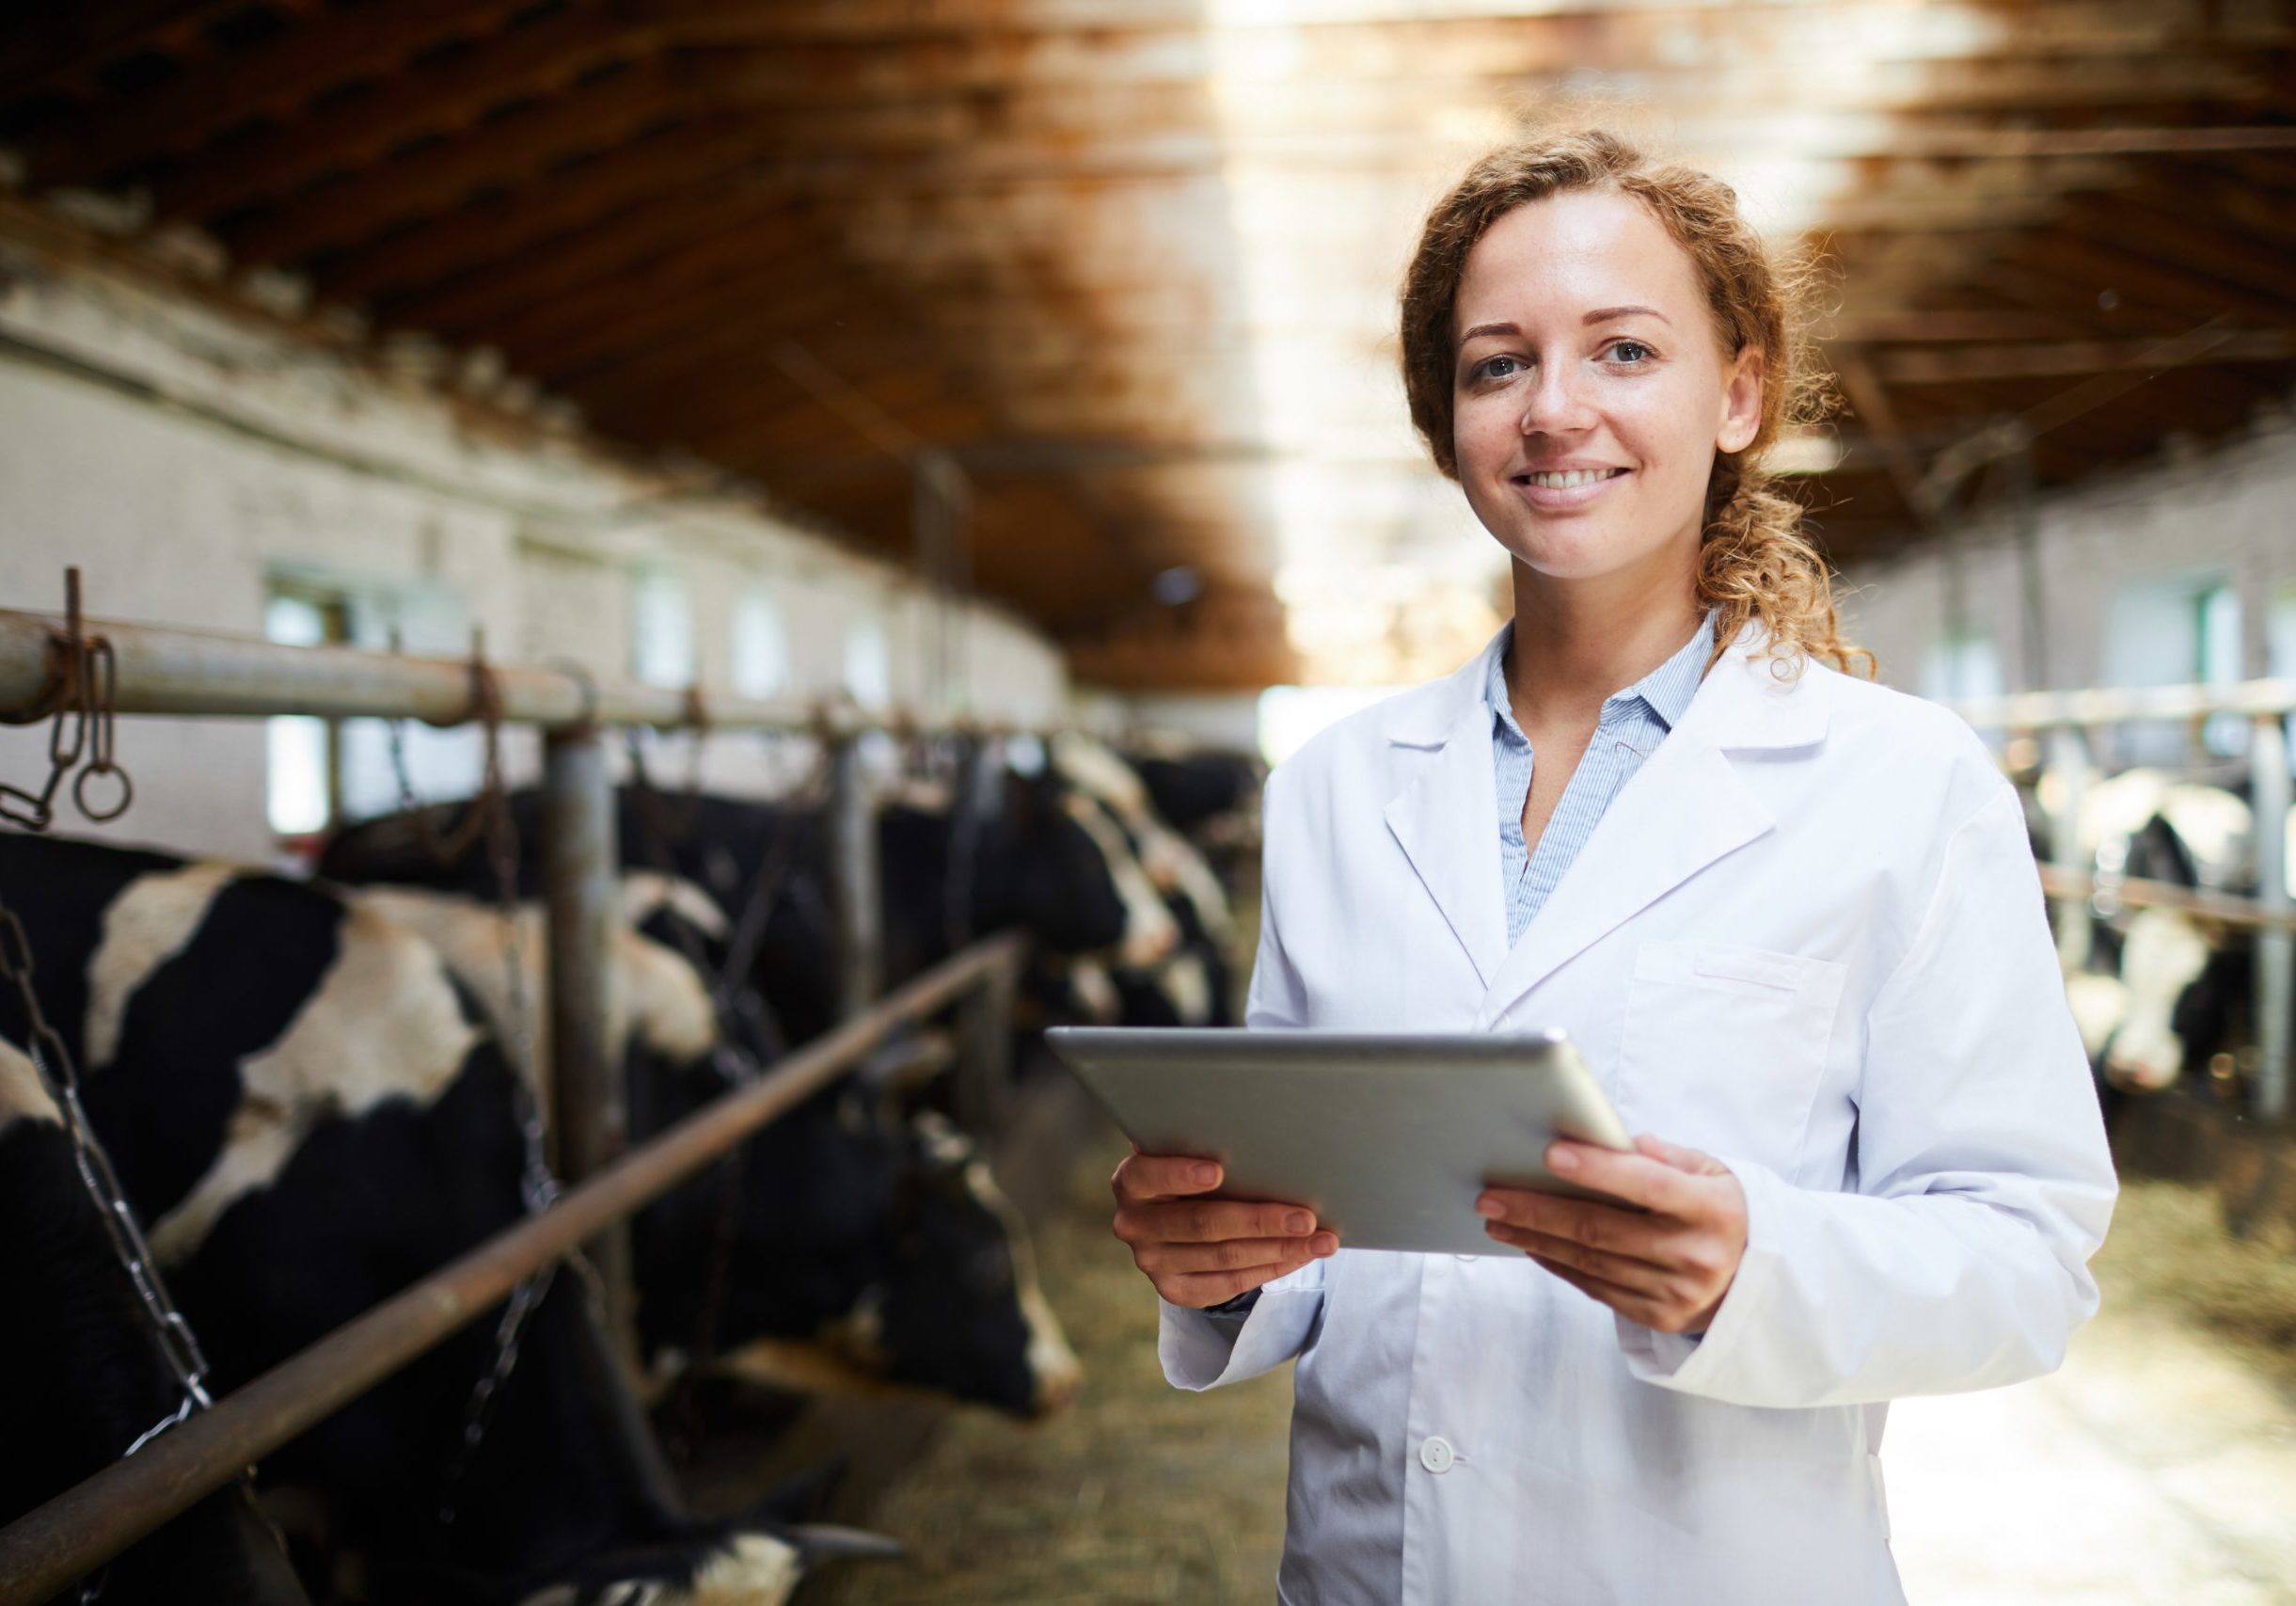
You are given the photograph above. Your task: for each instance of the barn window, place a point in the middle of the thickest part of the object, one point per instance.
(661, 635)
(2220, 660)
(761, 645)
(1962, 663)
(868, 665)
(303, 753)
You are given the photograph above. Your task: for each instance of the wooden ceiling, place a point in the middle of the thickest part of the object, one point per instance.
(1130, 263)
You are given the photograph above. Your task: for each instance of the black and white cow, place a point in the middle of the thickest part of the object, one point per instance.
(2163, 993)
(847, 1241)
(86, 1374)
(309, 1114)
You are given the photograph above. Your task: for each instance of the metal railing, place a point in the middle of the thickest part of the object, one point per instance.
(164, 671)
(2066, 719)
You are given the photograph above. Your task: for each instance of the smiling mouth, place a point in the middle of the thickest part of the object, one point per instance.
(1569, 480)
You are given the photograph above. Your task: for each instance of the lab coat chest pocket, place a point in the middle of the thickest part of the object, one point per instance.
(1724, 1046)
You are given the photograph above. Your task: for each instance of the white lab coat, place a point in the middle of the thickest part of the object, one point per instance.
(1808, 938)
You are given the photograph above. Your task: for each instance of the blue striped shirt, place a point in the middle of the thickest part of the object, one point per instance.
(1631, 724)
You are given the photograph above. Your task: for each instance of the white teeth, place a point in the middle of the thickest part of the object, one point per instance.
(1575, 477)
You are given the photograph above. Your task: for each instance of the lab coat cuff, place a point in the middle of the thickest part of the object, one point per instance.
(1200, 1350)
(1691, 1363)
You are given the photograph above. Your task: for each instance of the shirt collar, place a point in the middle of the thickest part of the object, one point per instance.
(1666, 691)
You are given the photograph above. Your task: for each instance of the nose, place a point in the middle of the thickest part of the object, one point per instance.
(1554, 404)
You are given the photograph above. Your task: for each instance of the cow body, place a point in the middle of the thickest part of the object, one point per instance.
(311, 1114)
(88, 1377)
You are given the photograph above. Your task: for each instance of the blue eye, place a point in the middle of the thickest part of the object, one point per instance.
(1487, 369)
(1635, 344)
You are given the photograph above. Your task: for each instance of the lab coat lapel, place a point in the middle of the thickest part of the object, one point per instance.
(1446, 815)
(1685, 808)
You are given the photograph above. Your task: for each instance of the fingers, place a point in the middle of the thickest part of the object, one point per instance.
(1628, 1234)
(1210, 1220)
(1634, 1177)
(1639, 1276)
(1196, 1289)
(1683, 1158)
(1141, 1177)
(1233, 1254)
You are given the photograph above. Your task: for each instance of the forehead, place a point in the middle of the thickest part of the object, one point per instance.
(1554, 258)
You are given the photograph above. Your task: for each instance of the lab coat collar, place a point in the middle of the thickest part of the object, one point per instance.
(1685, 808)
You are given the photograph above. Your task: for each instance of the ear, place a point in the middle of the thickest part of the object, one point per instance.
(1742, 402)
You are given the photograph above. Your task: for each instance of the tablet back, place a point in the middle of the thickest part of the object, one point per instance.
(1388, 1137)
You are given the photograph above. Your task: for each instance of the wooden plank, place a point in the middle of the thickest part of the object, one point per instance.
(514, 149)
(2181, 238)
(291, 70)
(56, 46)
(1959, 365)
(2183, 292)
(625, 257)
(444, 98)
(697, 156)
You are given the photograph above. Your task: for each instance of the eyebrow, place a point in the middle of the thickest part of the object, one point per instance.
(1599, 315)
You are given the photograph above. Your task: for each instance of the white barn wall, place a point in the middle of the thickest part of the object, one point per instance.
(185, 456)
(2231, 511)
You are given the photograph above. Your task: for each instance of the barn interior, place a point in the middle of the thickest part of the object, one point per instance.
(1026, 371)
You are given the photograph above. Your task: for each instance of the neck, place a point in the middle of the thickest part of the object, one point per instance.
(1576, 641)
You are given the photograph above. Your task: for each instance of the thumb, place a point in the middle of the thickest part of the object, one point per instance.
(1695, 1161)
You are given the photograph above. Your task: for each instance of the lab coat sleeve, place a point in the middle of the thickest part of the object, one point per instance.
(1199, 1350)
(1985, 1182)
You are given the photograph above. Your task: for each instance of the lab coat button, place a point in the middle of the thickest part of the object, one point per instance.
(1435, 1454)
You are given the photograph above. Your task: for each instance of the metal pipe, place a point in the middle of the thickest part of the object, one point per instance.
(165, 671)
(2249, 914)
(860, 910)
(86, 1525)
(589, 1109)
(2043, 711)
(2269, 790)
(984, 1064)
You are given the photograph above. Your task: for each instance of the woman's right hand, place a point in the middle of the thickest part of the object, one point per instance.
(1203, 1252)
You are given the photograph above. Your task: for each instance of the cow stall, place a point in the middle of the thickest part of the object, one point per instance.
(2198, 855)
(79, 673)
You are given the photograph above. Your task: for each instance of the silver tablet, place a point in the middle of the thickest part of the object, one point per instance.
(1387, 1137)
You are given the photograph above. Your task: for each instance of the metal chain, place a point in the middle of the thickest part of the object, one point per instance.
(537, 1186)
(81, 694)
(52, 1062)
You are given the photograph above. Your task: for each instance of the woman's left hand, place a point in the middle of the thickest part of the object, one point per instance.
(1667, 1267)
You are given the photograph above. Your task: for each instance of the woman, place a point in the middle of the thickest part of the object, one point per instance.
(1800, 938)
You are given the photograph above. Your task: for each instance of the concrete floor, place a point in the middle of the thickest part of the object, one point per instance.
(2158, 1465)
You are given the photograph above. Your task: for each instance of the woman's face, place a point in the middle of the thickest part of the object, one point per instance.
(1555, 371)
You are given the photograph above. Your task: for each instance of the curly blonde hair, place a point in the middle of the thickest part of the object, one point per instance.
(1753, 561)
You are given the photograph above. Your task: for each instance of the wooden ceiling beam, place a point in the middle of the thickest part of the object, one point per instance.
(673, 237)
(2181, 291)
(2176, 238)
(487, 234)
(318, 56)
(703, 312)
(515, 149)
(1907, 27)
(58, 47)
(435, 100)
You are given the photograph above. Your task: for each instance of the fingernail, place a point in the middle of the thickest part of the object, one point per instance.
(1560, 1158)
(1299, 1221)
(1324, 1244)
(1204, 1176)
(1490, 1207)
